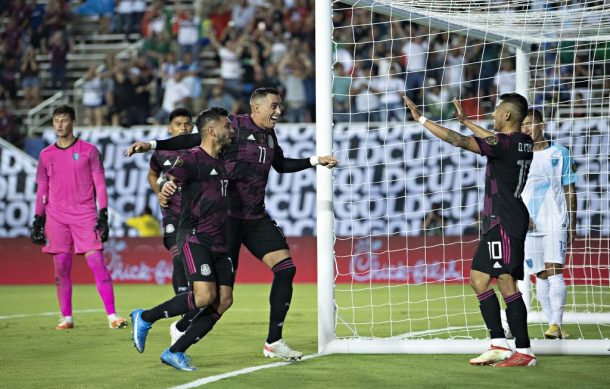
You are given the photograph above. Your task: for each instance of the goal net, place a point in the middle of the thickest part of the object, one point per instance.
(398, 219)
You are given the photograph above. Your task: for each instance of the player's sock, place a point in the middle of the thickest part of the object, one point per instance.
(103, 280)
(63, 267)
(516, 315)
(280, 297)
(177, 305)
(179, 281)
(490, 310)
(200, 326)
(557, 296)
(186, 319)
(542, 293)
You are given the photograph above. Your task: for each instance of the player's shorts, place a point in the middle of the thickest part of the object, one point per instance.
(260, 236)
(202, 264)
(549, 248)
(499, 253)
(79, 235)
(169, 241)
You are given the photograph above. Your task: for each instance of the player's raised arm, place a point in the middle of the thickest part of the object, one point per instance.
(462, 118)
(443, 133)
(181, 142)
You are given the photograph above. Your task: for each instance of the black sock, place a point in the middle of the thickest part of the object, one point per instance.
(516, 315)
(202, 324)
(186, 320)
(177, 305)
(179, 281)
(490, 310)
(280, 297)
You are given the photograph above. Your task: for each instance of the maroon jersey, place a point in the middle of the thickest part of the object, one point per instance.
(203, 182)
(508, 161)
(160, 162)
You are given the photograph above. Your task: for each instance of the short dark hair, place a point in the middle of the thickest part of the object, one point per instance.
(65, 110)
(519, 104)
(209, 115)
(536, 114)
(263, 92)
(180, 112)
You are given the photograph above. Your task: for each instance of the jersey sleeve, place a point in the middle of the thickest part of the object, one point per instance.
(496, 146)
(568, 171)
(180, 142)
(154, 163)
(99, 179)
(42, 183)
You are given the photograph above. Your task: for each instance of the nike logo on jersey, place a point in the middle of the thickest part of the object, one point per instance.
(213, 172)
(497, 266)
(167, 163)
(250, 137)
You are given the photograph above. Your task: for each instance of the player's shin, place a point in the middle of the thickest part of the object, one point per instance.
(63, 266)
(280, 297)
(516, 315)
(200, 326)
(103, 280)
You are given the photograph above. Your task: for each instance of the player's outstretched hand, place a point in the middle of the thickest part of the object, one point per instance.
(102, 224)
(138, 147)
(459, 111)
(412, 107)
(328, 161)
(37, 234)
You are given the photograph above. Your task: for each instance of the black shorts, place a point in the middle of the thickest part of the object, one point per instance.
(499, 253)
(260, 236)
(202, 264)
(169, 241)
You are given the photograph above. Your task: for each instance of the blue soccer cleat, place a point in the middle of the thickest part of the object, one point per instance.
(176, 360)
(139, 330)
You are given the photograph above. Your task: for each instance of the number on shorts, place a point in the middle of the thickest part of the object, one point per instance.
(495, 250)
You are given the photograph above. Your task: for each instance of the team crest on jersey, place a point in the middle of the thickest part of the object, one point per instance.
(75, 156)
(179, 162)
(270, 142)
(205, 270)
(491, 140)
(554, 161)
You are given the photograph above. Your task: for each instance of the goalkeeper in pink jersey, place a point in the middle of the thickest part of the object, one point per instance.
(70, 178)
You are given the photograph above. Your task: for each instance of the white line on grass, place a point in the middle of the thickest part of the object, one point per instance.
(54, 313)
(247, 370)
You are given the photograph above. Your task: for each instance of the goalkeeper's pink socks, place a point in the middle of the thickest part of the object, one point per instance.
(103, 280)
(63, 266)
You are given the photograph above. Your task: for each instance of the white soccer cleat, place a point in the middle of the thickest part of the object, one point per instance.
(65, 323)
(279, 349)
(494, 355)
(174, 333)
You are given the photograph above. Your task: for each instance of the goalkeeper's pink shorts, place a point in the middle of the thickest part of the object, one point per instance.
(71, 234)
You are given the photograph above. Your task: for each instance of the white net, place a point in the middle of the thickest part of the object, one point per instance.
(406, 204)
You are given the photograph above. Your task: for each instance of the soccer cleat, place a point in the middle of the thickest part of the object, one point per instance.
(174, 333)
(177, 360)
(555, 332)
(493, 355)
(64, 324)
(279, 349)
(139, 329)
(518, 359)
(117, 323)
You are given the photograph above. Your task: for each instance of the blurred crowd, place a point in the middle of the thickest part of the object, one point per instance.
(271, 43)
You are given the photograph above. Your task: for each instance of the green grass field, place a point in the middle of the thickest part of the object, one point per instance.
(35, 355)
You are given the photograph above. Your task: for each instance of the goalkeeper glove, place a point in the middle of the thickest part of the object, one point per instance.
(102, 224)
(37, 234)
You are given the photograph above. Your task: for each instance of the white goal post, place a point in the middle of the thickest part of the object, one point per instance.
(368, 301)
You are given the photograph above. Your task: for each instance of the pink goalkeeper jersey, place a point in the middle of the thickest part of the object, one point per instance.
(70, 180)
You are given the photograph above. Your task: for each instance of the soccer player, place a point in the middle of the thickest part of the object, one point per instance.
(505, 220)
(550, 197)
(70, 179)
(200, 174)
(250, 158)
(180, 123)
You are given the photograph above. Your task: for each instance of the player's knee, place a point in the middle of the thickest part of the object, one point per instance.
(204, 297)
(225, 303)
